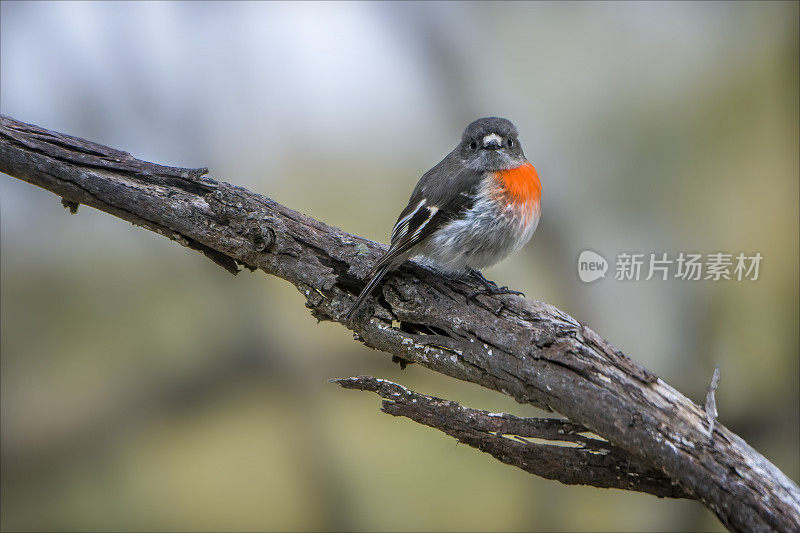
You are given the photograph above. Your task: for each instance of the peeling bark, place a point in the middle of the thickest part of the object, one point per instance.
(526, 349)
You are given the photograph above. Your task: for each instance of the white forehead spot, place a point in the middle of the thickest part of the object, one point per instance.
(492, 137)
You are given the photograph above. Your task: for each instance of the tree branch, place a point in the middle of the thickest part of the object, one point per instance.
(526, 349)
(579, 460)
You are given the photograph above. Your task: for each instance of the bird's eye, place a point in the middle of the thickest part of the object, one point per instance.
(510, 142)
(473, 145)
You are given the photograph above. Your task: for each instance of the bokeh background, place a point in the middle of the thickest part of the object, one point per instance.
(143, 387)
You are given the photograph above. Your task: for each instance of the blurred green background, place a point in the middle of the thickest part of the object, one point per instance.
(143, 387)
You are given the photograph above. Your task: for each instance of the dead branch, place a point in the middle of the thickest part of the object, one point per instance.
(526, 349)
(578, 460)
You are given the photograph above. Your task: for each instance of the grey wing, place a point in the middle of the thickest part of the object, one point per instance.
(442, 194)
(410, 230)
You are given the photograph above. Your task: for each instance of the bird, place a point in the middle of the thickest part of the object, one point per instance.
(475, 207)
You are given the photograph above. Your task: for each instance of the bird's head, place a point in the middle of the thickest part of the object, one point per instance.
(491, 144)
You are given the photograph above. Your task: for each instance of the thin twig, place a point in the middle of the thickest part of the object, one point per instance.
(711, 402)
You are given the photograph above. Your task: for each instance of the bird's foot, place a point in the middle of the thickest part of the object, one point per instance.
(489, 287)
(493, 290)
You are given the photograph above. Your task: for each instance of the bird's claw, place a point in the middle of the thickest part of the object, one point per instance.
(493, 291)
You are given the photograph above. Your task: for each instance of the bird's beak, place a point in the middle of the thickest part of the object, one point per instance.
(493, 141)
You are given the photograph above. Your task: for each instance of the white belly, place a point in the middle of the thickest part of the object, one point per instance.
(487, 234)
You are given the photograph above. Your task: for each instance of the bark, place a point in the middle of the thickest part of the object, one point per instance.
(526, 349)
(568, 456)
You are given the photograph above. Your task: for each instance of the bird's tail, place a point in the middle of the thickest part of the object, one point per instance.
(376, 278)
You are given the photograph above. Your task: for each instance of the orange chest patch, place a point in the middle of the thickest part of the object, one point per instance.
(519, 185)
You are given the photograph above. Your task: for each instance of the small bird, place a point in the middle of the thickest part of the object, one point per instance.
(471, 210)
